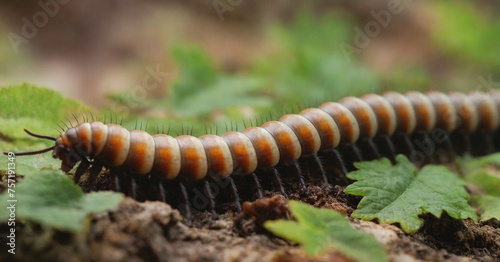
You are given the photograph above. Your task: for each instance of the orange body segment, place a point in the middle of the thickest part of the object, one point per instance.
(345, 120)
(194, 164)
(306, 133)
(487, 111)
(446, 113)
(328, 130)
(363, 113)
(266, 149)
(84, 138)
(141, 154)
(99, 136)
(405, 114)
(386, 117)
(287, 141)
(220, 162)
(424, 110)
(466, 111)
(242, 152)
(117, 146)
(167, 163)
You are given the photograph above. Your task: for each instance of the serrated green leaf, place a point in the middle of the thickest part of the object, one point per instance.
(320, 230)
(489, 207)
(50, 198)
(399, 193)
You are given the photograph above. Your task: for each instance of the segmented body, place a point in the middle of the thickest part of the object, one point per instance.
(334, 134)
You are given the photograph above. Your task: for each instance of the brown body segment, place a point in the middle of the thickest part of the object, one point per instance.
(405, 114)
(167, 163)
(84, 138)
(386, 117)
(220, 162)
(72, 137)
(266, 149)
(194, 164)
(117, 146)
(328, 130)
(141, 154)
(424, 110)
(287, 141)
(488, 111)
(363, 113)
(99, 136)
(446, 114)
(466, 110)
(305, 131)
(345, 120)
(242, 152)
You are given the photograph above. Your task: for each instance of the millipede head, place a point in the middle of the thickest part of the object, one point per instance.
(61, 150)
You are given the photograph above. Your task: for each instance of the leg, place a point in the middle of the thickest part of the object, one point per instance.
(82, 168)
(317, 162)
(257, 185)
(184, 205)
(277, 181)
(208, 194)
(234, 193)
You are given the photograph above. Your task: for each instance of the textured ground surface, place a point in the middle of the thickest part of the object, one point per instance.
(153, 231)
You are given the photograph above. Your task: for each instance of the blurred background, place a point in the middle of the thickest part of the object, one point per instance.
(222, 60)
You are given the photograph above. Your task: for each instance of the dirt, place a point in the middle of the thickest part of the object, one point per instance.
(153, 231)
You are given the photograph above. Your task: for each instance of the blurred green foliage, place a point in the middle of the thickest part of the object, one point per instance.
(308, 66)
(466, 33)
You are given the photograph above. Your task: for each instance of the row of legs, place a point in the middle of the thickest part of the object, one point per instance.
(324, 168)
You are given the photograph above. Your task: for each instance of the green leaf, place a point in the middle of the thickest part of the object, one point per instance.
(197, 71)
(487, 181)
(34, 108)
(320, 230)
(35, 102)
(50, 198)
(245, 94)
(489, 207)
(399, 193)
(472, 164)
(483, 172)
(28, 165)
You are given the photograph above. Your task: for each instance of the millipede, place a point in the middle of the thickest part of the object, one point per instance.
(316, 145)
